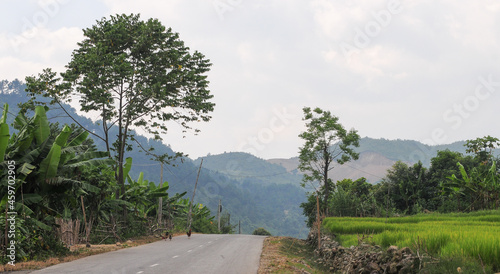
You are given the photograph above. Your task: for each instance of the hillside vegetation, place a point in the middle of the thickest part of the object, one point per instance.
(252, 200)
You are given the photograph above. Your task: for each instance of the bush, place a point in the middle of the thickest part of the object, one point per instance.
(261, 231)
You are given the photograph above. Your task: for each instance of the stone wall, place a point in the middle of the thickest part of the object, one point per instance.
(364, 258)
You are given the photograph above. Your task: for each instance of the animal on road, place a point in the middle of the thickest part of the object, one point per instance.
(189, 233)
(167, 235)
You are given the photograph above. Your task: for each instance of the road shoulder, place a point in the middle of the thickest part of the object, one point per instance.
(288, 255)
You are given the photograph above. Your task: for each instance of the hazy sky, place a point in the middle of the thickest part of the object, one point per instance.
(420, 70)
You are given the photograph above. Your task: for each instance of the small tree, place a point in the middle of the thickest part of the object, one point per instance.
(326, 141)
(261, 231)
(482, 147)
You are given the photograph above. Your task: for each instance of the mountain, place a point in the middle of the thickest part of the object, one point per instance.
(408, 151)
(247, 168)
(256, 192)
(376, 156)
(272, 203)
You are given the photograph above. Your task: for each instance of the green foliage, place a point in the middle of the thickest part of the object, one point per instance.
(34, 242)
(309, 209)
(203, 222)
(261, 231)
(482, 147)
(453, 182)
(326, 141)
(343, 204)
(410, 187)
(47, 162)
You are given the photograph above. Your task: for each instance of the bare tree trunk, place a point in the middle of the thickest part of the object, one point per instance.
(85, 221)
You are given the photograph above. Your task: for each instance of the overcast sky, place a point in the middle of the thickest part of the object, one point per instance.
(419, 70)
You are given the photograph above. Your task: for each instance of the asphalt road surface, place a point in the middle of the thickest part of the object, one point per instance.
(201, 253)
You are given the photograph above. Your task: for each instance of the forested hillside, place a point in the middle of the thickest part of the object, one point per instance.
(272, 203)
(256, 192)
(406, 150)
(245, 167)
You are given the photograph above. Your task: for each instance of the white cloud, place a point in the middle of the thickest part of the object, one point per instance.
(42, 48)
(268, 54)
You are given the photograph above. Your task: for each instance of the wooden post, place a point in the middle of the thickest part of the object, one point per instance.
(218, 215)
(160, 200)
(84, 220)
(318, 221)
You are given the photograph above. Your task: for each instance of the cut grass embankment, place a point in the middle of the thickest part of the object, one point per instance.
(288, 255)
(471, 237)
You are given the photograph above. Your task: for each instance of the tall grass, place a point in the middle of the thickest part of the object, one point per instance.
(470, 236)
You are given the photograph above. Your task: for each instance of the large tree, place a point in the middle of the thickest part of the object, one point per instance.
(326, 142)
(134, 74)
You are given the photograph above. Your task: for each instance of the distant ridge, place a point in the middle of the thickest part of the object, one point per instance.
(409, 151)
(379, 155)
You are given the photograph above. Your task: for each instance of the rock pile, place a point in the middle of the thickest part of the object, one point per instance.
(364, 258)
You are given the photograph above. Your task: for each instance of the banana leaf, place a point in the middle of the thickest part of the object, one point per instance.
(42, 129)
(79, 139)
(49, 165)
(91, 162)
(4, 140)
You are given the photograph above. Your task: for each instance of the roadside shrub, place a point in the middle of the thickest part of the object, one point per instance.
(261, 231)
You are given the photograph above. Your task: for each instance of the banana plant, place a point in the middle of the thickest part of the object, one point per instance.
(46, 165)
(144, 195)
(481, 185)
(494, 180)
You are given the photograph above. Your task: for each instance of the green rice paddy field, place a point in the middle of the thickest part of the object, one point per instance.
(459, 235)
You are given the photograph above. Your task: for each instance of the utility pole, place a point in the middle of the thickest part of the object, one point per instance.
(192, 199)
(239, 227)
(219, 209)
(160, 200)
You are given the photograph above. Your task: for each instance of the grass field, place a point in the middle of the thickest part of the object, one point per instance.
(466, 236)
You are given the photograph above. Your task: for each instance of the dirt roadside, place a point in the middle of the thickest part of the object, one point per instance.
(288, 255)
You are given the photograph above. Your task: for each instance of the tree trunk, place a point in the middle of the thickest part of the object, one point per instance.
(326, 166)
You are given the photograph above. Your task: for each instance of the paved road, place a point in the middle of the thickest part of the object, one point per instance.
(200, 254)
